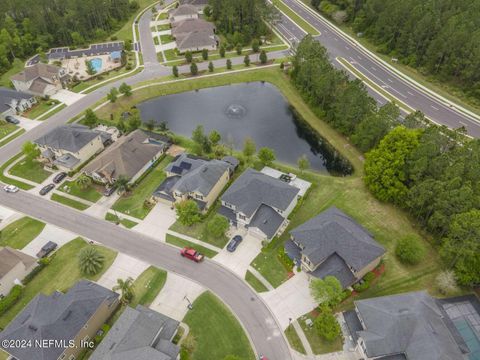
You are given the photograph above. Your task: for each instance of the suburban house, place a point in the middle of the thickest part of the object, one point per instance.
(40, 79)
(411, 326)
(66, 319)
(69, 146)
(194, 35)
(130, 156)
(183, 12)
(192, 177)
(139, 333)
(259, 203)
(332, 243)
(14, 102)
(199, 4)
(14, 266)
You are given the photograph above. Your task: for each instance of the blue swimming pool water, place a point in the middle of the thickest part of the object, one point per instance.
(470, 338)
(96, 64)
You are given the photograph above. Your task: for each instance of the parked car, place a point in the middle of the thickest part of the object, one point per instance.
(10, 188)
(12, 120)
(59, 177)
(191, 254)
(233, 244)
(47, 249)
(109, 191)
(263, 357)
(46, 189)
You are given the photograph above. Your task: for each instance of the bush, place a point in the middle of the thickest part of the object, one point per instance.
(410, 250)
(327, 325)
(33, 273)
(11, 299)
(284, 259)
(365, 282)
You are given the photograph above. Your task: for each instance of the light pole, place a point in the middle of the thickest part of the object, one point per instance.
(190, 306)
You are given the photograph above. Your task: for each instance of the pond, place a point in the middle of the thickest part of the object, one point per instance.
(257, 110)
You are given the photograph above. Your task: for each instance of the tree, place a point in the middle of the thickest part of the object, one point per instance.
(150, 124)
(229, 64)
(188, 213)
(175, 70)
(194, 69)
(263, 57)
(83, 181)
(218, 226)
(303, 163)
(30, 150)
(214, 137)
(222, 51)
(327, 325)
(122, 184)
(326, 291)
(246, 60)
(202, 142)
(410, 250)
(249, 148)
(205, 54)
(125, 89)
(255, 45)
(112, 95)
(238, 49)
(91, 119)
(133, 123)
(188, 56)
(90, 260)
(315, 3)
(210, 67)
(126, 289)
(266, 156)
(446, 282)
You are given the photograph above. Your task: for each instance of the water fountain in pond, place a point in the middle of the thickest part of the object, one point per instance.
(235, 111)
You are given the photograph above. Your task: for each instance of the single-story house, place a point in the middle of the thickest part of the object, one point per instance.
(69, 146)
(129, 156)
(40, 79)
(411, 326)
(194, 35)
(139, 333)
(66, 319)
(259, 203)
(199, 4)
(14, 102)
(183, 12)
(14, 266)
(191, 177)
(332, 243)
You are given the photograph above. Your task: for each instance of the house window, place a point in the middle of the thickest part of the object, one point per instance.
(71, 357)
(200, 197)
(243, 217)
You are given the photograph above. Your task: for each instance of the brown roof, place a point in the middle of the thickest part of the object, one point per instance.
(186, 9)
(9, 258)
(38, 86)
(192, 25)
(197, 39)
(38, 70)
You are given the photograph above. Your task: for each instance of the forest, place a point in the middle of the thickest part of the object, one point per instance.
(439, 37)
(31, 26)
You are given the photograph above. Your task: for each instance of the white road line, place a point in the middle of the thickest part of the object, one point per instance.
(359, 57)
(346, 47)
(390, 80)
(435, 108)
(373, 68)
(410, 93)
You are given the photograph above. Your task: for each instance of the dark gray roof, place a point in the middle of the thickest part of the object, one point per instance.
(232, 161)
(185, 9)
(57, 317)
(228, 213)
(335, 266)
(267, 220)
(196, 39)
(184, 163)
(202, 178)
(7, 95)
(253, 188)
(411, 324)
(194, 2)
(140, 334)
(333, 231)
(165, 188)
(72, 137)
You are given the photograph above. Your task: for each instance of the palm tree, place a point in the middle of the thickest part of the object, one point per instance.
(122, 184)
(126, 289)
(83, 181)
(90, 261)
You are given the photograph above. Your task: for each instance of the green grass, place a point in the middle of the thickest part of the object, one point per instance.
(60, 274)
(148, 285)
(19, 233)
(125, 32)
(17, 66)
(268, 264)
(294, 340)
(30, 169)
(295, 17)
(216, 330)
(255, 283)
(163, 27)
(6, 129)
(91, 193)
(182, 243)
(318, 344)
(17, 134)
(41, 107)
(165, 39)
(53, 112)
(133, 202)
(163, 16)
(11, 181)
(69, 202)
(125, 222)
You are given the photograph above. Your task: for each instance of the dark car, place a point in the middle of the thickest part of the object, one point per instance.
(47, 249)
(12, 120)
(109, 191)
(46, 189)
(233, 244)
(59, 177)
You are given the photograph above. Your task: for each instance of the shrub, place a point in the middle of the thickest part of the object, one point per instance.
(284, 259)
(410, 250)
(33, 273)
(11, 299)
(327, 325)
(90, 260)
(365, 282)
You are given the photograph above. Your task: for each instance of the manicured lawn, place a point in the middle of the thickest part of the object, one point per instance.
(40, 108)
(91, 193)
(6, 129)
(30, 169)
(3, 355)
(295, 17)
(19, 233)
(163, 27)
(60, 274)
(53, 112)
(125, 31)
(11, 181)
(165, 39)
(182, 243)
(254, 282)
(125, 222)
(133, 202)
(270, 267)
(294, 340)
(317, 343)
(10, 138)
(216, 330)
(18, 66)
(148, 285)
(69, 202)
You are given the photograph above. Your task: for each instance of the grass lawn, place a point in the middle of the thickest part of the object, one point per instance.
(6, 129)
(318, 344)
(295, 17)
(148, 285)
(91, 193)
(69, 202)
(53, 112)
(10, 138)
(3, 355)
(165, 39)
(40, 108)
(60, 274)
(133, 202)
(17, 66)
(254, 282)
(216, 330)
(163, 27)
(19, 233)
(182, 243)
(11, 181)
(125, 222)
(30, 169)
(294, 340)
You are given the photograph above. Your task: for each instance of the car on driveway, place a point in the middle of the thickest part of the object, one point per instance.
(12, 120)
(46, 189)
(109, 191)
(233, 244)
(10, 188)
(59, 177)
(191, 254)
(47, 249)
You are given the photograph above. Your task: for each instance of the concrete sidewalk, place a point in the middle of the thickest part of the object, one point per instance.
(123, 267)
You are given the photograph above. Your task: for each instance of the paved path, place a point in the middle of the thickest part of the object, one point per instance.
(123, 266)
(261, 278)
(303, 338)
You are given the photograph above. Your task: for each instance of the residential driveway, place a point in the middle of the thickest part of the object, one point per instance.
(159, 22)
(157, 222)
(27, 124)
(8, 216)
(172, 300)
(163, 47)
(123, 267)
(67, 97)
(101, 207)
(292, 299)
(47, 181)
(49, 233)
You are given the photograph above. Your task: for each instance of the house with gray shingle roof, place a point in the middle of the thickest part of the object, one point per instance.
(332, 243)
(411, 326)
(183, 12)
(14, 102)
(199, 4)
(194, 35)
(40, 79)
(259, 203)
(140, 334)
(66, 319)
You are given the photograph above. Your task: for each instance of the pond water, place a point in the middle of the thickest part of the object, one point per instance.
(257, 110)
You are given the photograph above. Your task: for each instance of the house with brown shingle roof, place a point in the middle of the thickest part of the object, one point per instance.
(14, 266)
(183, 12)
(194, 35)
(40, 79)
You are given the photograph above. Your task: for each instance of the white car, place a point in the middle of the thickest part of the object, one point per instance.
(10, 188)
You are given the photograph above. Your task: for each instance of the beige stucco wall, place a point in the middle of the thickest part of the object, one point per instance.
(17, 273)
(194, 49)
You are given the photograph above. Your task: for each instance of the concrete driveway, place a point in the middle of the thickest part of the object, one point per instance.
(172, 300)
(67, 97)
(27, 124)
(8, 216)
(157, 222)
(168, 46)
(49, 233)
(123, 267)
(292, 299)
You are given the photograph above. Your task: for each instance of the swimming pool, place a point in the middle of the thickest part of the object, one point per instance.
(96, 64)
(470, 338)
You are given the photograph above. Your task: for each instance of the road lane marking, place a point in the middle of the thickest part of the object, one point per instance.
(373, 68)
(410, 93)
(435, 108)
(346, 47)
(390, 80)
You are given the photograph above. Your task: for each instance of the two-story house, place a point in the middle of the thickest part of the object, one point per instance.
(14, 102)
(40, 79)
(14, 266)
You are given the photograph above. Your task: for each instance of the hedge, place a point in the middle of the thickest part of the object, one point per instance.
(8, 301)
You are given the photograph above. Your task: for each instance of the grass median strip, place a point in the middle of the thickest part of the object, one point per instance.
(125, 222)
(69, 202)
(181, 243)
(255, 283)
(295, 17)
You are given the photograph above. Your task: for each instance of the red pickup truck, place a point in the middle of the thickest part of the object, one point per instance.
(191, 254)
